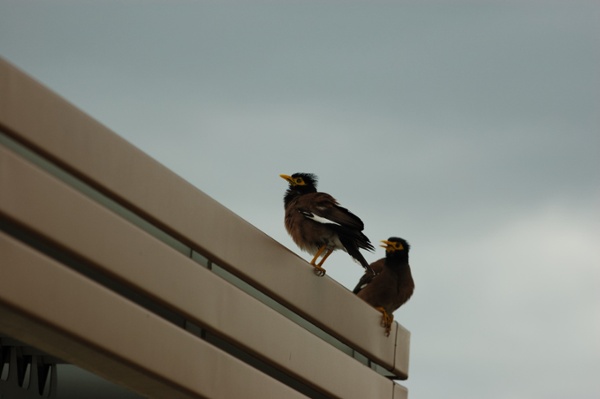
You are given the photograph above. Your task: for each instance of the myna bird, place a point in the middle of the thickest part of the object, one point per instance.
(319, 225)
(392, 285)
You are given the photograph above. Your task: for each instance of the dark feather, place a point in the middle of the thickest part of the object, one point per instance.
(393, 284)
(315, 219)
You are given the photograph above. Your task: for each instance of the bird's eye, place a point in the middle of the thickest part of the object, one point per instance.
(299, 181)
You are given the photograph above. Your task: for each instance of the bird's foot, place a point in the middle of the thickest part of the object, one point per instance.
(386, 320)
(319, 271)
(387, 330)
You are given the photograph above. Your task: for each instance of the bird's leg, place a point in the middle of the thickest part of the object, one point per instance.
(329, 251)
(386, 320)
(319, 271)
(319, 252)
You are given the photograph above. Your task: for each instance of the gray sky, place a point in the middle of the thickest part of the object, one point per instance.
(472, 129)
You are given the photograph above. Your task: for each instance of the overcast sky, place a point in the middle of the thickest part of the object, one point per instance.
(472, 129)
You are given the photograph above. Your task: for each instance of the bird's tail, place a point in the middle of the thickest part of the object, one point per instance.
(353, 250)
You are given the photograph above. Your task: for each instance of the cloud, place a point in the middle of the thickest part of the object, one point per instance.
(521, 297)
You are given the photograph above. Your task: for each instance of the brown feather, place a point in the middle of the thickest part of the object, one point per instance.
(392, 286)
(314, 219)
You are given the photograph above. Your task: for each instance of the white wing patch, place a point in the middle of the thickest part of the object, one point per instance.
(318, 219)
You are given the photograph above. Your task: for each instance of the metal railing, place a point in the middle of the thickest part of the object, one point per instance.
(112, 262)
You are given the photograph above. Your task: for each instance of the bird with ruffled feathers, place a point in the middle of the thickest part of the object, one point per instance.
(319, 225)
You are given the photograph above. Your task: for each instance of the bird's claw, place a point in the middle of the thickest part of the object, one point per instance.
(319, 271)
(386, 321)
(387, 331)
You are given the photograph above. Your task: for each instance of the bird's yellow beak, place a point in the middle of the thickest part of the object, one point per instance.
(391, 246)
(288, 178)
(386, 244)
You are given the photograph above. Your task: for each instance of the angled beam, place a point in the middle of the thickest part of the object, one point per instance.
(55, 309)
(43, 204)
(42, 120)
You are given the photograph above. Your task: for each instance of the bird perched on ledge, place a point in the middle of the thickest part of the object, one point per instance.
(392, 285)
(319, 225)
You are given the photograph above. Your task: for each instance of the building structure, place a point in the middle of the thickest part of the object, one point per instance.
(111, 263)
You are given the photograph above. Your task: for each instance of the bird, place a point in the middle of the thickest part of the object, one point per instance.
(392, 285)
(319, 225)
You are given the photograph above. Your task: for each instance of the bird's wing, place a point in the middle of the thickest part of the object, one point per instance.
(323, 208)
(377, 267)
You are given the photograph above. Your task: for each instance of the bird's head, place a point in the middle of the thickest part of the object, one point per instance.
(395, 246)
(304, 182)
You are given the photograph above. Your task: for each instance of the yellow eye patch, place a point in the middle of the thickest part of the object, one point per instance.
(391, 246)
(294, 181)
(397, 246)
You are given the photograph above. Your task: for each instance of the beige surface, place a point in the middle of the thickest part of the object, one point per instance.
(50, 208)
(400, 392)
(73, 318)
(36, 116)
(32, 198)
